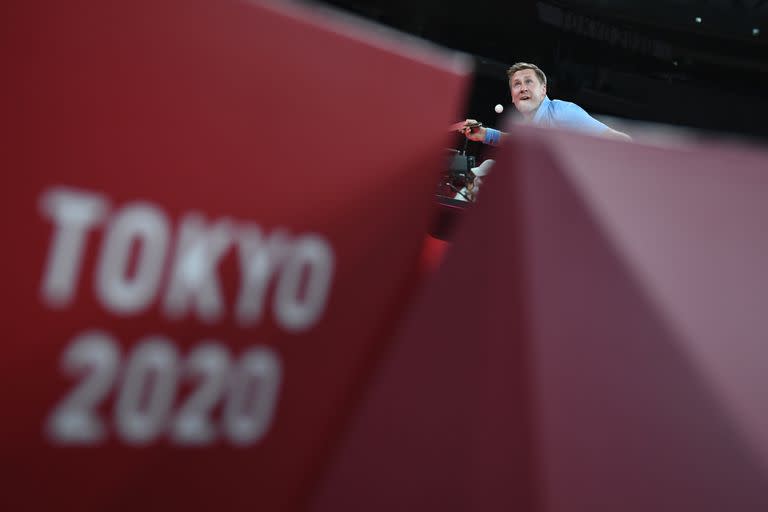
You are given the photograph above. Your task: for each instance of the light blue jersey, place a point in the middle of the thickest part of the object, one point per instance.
(564, 114)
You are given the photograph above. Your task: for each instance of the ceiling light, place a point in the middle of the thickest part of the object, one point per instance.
(697, 19)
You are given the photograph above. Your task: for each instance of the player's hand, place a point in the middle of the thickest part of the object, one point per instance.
(471, 129)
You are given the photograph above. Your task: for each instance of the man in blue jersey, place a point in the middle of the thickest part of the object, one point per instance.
(528, 85)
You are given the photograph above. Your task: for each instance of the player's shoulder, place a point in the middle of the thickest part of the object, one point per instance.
(567, 111)
(570, 115)
(564, 105)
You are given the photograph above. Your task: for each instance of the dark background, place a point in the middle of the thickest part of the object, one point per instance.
(646, 60)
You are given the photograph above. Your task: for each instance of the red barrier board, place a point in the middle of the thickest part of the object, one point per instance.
(212, 224)
(594, 340)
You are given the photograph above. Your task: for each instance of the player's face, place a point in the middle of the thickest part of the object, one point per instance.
(527, 91)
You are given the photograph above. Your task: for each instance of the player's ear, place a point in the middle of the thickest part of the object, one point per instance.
(544, 88)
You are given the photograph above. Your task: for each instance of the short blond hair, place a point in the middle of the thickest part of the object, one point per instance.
(525, 65)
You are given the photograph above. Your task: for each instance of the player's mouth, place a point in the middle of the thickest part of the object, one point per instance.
(525, 98)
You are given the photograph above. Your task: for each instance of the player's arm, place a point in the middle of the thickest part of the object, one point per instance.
(610, 133)
(475, 131)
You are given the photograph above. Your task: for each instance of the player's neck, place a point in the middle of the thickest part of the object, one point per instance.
(528, 116)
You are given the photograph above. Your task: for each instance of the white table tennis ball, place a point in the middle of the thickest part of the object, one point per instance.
(498, 108)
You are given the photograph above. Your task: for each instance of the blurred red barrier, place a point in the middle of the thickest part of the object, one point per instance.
(606, 348)
(211, 228)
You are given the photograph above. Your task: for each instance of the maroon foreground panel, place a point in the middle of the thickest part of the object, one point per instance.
(596, 340)
(209, 231)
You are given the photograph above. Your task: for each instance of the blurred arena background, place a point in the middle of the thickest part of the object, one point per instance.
(699, 64)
